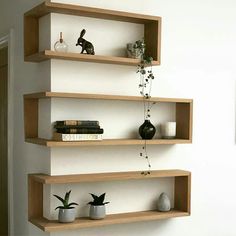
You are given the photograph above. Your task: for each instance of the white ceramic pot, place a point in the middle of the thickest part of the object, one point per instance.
(66, 215)
(97, 212)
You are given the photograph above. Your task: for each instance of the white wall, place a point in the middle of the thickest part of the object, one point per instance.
(198, 61)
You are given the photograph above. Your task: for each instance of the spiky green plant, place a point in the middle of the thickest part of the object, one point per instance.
(65, 201)
(98, 200)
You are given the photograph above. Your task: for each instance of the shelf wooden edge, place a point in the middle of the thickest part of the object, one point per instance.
(105, 142)
(49, 54)
(100, 13)
(47, 94)
(108, 176)
(113, 219)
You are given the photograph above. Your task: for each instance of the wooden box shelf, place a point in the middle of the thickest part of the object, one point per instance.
(182, 189)
(183, 119)
(152, 33)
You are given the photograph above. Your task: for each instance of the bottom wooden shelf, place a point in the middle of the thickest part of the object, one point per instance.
(181, 206)
(85, 222)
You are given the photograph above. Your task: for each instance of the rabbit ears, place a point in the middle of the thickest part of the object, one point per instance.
(82, 33)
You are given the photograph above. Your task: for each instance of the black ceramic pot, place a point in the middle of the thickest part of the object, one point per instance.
(147, 130)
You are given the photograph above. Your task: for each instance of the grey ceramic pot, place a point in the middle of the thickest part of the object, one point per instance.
(163, 203)
(66, 215)
(97, 212)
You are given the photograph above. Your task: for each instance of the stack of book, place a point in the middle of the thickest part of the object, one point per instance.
(77, 130)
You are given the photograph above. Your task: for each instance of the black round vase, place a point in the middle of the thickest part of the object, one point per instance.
(147, 130)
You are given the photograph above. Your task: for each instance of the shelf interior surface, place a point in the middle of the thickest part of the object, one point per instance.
(85, 222)
(48, 54)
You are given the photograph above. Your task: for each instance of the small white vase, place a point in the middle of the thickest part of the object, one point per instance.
(97, 212)
(66, 215)
(163, 203)
(168, 130)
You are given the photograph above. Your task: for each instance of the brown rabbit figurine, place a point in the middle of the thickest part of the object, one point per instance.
(86, 45)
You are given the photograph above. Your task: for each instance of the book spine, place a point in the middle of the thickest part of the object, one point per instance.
(79, 131)
(76, 126)
(78, 122)
(76, 137)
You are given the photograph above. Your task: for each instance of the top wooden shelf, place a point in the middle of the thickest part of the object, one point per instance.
(152, 33)
(69, 9)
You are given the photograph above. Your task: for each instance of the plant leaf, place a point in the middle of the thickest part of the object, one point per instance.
(60, 207)
(95, 198)
(73, 204)
(105, 203)
(67, 196)
(101, 198)
(59, 198)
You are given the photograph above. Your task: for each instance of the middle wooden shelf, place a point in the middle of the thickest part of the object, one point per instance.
(183, 117)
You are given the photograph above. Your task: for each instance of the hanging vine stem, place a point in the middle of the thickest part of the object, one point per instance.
(145, 85)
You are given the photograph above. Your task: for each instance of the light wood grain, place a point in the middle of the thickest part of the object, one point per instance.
(112, 176)
(31, 36)
(31, 117)
(105, 142)
(35, 198)
(103, 97)
(51, 7)
(3, 142)
(182, 196)
(123, 218)
(184, 117)
(152, 37)
(48, 54)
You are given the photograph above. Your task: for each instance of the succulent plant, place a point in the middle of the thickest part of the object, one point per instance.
(98, 200)
(65, 201)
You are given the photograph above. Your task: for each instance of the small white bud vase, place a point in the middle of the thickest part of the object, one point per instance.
(168, 130)
(163, 203)
(61, 46)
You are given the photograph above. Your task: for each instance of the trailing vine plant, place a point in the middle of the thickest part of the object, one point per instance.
(146, 75)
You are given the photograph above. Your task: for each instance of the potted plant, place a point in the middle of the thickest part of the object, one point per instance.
(66, 211)
(97, 207)
(136, 50)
